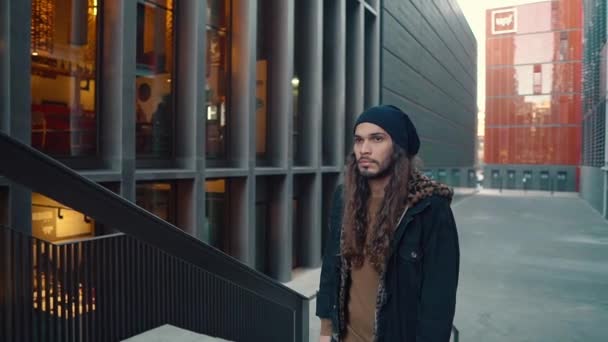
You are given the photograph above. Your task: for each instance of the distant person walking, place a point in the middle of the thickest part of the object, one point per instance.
(390, 266)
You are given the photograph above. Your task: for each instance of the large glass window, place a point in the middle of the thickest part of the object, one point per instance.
(154, 79)
(54, 222)
(159, 198)
(63, 76)
(217, 72)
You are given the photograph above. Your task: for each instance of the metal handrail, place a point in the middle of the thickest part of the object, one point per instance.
(24, 165)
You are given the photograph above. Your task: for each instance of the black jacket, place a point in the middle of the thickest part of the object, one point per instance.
(417, 293)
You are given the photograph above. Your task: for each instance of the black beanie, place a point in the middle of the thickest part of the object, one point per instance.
(396, 123)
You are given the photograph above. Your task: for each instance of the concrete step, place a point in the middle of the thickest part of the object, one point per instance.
(169, 333)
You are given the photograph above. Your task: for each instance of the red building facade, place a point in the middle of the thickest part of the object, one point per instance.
(533, 84)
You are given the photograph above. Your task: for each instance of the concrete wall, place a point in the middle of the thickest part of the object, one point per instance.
(429, 63)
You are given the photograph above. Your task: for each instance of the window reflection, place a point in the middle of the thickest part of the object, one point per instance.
(217, 78)
(154, 79)
(534, 48)
(534, 79)
(534, 17)
(159, 198)
(63, 77)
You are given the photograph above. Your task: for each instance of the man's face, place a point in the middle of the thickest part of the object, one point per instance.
(373, 148)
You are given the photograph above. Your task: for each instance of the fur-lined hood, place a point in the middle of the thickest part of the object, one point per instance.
(420, 188)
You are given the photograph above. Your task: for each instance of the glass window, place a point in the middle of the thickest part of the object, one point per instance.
(154, 79)
(159, 198)
(537, 79)
(534, 48)
(217, 72)
(54, 222)
(534, 79)
(535, 17)
(63, 77)
(262, 85)
(261, 223)
(216, 203)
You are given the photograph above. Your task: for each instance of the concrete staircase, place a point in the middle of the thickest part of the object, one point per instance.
(169, 333)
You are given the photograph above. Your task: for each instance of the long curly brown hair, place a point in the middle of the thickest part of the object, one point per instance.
(356, 195)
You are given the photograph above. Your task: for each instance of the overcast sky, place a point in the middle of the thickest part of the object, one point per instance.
(474, 11)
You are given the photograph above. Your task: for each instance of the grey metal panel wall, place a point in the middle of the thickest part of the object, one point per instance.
(429, 66)
(592, 188)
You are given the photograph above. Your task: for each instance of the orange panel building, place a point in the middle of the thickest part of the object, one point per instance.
(533, 96)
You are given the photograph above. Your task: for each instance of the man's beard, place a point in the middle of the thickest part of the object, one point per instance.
(380, 174)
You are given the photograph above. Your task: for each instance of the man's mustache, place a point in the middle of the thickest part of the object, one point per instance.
(367, 160)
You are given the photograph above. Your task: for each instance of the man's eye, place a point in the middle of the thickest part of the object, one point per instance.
(378, 139)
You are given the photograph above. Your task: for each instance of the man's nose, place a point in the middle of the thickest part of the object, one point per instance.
(365, 147)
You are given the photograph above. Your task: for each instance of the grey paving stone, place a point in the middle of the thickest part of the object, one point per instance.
(533, 268)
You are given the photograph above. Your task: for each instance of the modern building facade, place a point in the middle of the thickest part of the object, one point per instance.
(594, 181)
(533, 89)
(429, 68)
(230, 119)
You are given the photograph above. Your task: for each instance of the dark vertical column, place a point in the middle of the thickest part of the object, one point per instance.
(188, 67)
(198, 191)
(279, 237)
(243, 87)
(280, 75)
(309, 66)
(280, 105)
(310, 243)
(117, 91)
(334, 77)
(372, 60)
(5, 66)
(18, 102)
(355, 56)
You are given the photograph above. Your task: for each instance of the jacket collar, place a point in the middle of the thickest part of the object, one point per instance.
(421, 189)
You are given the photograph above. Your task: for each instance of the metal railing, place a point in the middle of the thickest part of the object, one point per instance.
(110, 288)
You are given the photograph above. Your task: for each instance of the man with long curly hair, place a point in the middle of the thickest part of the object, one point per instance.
(390, 266)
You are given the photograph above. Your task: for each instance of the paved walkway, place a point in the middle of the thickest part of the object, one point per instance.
(534, 267)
